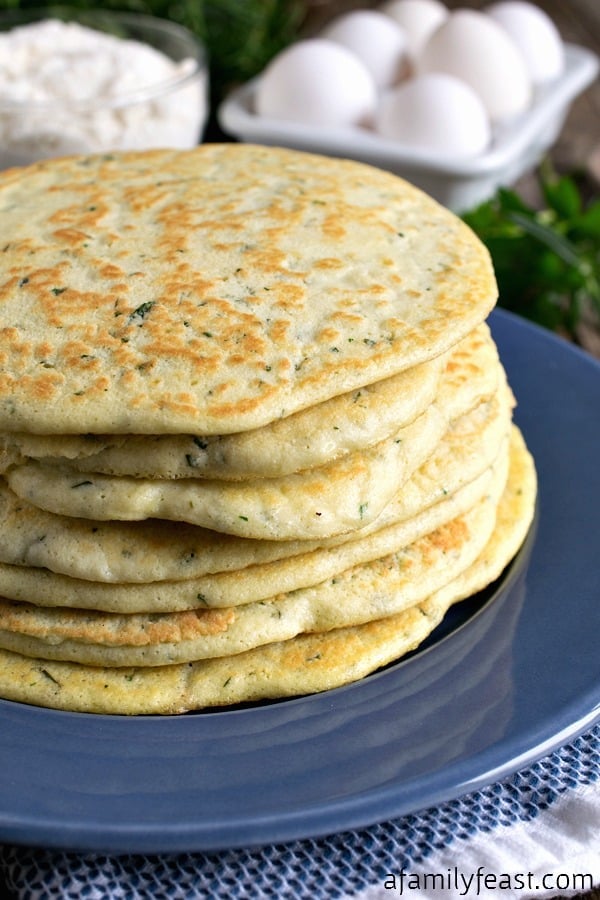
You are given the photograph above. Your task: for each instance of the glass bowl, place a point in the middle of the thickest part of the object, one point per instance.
(82, 99)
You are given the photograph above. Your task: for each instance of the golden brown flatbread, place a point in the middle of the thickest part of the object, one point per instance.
(219, 289)
(306, 664)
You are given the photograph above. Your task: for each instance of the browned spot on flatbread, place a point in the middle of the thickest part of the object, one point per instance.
(446, 539)
(158, 250)
(135, 630)
(72, 236)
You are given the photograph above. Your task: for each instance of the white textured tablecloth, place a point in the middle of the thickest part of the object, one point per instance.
(536, 834)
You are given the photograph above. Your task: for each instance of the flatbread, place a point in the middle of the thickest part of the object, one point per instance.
(333, 499)
(384, 585)
(305, 664)
(304, 440)
(216, 290)
(154, 550)
(256, 582)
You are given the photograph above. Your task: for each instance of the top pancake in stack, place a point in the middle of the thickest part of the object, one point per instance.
(217, 290)
(246, 385)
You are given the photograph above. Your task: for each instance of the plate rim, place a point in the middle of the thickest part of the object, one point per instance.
(353, 810)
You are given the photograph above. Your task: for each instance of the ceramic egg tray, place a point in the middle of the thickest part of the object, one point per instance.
(516, 147)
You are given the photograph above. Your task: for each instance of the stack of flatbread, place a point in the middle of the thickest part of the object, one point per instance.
(255, 434)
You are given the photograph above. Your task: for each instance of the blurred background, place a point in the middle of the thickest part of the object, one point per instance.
(241, 36)
(578, 22)
(543, 231)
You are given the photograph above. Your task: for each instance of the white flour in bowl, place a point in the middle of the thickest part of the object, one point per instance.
(66, 88)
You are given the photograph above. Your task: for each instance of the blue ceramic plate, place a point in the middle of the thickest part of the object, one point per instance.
(509, 676)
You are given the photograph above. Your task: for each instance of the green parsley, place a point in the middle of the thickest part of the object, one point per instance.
(547, 260)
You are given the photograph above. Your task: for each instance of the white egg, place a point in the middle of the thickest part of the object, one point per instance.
(376, 39)
(535, 34)
(474, 48)
(316, 82)
(435, 112)
(417, 18)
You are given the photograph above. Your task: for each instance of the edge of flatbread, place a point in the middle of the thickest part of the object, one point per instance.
(303, 665)
(218, 289)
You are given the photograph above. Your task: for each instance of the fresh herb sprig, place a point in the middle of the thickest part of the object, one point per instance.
(547, 260)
